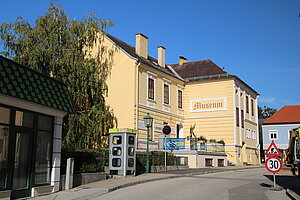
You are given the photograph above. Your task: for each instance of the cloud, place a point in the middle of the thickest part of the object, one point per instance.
(267, 99)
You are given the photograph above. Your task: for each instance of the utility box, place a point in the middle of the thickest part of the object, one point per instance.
(122, 151)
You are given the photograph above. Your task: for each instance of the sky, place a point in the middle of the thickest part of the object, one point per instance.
(257, 40)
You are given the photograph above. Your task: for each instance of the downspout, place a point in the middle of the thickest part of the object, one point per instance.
(136, 96)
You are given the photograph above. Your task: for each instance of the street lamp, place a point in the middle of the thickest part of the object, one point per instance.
(148, 123)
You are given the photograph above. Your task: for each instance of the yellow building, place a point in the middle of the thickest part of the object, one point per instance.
(181, 95)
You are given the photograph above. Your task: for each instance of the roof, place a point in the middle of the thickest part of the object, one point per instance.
(198, 68)
(190, 71)
(24, 83)
(131, 51)
(203, 70)
(286, 115)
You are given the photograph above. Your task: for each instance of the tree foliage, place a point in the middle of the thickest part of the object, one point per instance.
(61, 48)
(266, 112)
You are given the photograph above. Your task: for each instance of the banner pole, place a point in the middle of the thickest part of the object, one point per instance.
(165, 153)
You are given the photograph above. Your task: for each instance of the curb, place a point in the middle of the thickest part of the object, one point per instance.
(293, 195)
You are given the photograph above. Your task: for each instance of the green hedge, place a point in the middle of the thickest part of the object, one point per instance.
(90, 160)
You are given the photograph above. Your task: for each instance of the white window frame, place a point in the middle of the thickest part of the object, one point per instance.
(248, 133)
(166, 82)
(253, 134)
(271, 133)
(153, 77)
(179, 89)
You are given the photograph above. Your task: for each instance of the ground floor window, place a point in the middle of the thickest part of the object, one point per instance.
(208, 162)
(25, 148)
(221, 163)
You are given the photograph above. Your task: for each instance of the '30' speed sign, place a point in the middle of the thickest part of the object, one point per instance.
(273, 164)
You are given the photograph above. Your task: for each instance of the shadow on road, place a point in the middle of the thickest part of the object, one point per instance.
(287, 181)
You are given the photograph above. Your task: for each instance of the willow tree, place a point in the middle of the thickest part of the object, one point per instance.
(60, 47)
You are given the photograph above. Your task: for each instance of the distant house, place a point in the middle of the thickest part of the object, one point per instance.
(277, 127)
(32, 107)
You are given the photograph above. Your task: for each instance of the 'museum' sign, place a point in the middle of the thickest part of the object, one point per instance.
(210, 104)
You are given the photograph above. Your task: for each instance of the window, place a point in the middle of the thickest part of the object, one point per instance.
(43, 150)
(130, 162)
(248, 133)
(242, 118)
(221, 163)
(252, 107)
(151, 88)
(237, 117)
(273, 134)
(117, 140)
(4, 115)
(247, 104)
(208, 162)
(24, 119)
(116, 162)
(4, 135)
(131, 140)
(180, 99)
(253, 135)
(130, 151)
(116, 151)
(166, 94)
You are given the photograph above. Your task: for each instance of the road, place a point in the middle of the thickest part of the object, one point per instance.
(231, 185)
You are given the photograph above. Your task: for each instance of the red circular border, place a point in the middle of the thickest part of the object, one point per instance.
(266, 164)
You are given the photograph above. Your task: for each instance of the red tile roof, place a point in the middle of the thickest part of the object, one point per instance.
(286, 115)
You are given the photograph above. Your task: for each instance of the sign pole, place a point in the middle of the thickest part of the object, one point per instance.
(165, 153)
(274, 180)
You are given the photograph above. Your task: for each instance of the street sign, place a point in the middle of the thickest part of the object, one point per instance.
(273, 164)
(273, 150)
(174, 143)
(167, 130)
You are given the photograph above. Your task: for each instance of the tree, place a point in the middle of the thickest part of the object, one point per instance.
(266, 112)
(263, 113)
(60, 47)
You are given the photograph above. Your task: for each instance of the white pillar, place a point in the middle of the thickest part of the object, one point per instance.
(69, 174)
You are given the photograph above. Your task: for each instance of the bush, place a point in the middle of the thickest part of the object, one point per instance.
(90, 160)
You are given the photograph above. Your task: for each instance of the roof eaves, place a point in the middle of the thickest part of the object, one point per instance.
(206, 77)
(245, 84)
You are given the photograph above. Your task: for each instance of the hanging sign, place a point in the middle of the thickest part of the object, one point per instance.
(273, 150)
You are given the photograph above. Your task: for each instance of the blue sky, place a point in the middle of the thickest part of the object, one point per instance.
(257, 40)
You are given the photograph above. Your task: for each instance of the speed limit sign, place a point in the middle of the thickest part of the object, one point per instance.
(273, 164)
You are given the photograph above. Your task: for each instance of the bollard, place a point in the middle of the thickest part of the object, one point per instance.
(69, 174)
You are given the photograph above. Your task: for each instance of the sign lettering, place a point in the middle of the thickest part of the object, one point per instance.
(211, 104)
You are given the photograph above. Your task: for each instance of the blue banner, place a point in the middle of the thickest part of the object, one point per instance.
(174, 143)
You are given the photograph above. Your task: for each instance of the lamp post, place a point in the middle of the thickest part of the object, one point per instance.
(148, 123)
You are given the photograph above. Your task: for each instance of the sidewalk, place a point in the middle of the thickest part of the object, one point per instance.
(92, 190)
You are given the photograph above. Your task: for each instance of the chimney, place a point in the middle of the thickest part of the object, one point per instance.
(161, 56)
(141, 45)
(182, 60)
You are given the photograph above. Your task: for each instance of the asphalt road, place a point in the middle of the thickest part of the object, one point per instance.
(231, 185)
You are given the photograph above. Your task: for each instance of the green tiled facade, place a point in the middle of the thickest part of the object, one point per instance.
(23, 83)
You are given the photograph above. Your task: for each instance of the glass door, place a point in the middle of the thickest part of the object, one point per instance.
(22, 164)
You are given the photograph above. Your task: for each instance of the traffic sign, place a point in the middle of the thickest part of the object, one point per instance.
(273, 164)
(273, 150)
(167, 130)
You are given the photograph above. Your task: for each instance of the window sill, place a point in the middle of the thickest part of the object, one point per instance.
(151, 100)
(167, 105)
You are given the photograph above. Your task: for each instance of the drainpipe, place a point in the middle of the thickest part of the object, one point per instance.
(136, 98)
